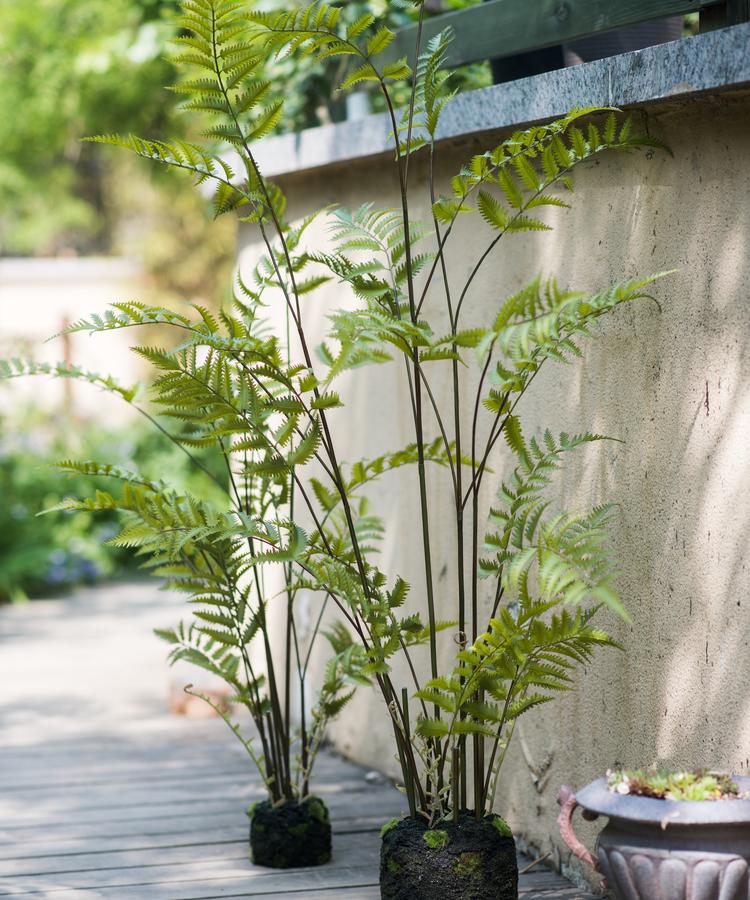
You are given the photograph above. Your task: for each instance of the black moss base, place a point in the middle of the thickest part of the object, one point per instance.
(291, 835)
(468, 860)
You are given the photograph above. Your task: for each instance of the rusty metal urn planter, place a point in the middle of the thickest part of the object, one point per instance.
(654, 849)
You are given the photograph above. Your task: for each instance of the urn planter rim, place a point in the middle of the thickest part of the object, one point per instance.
(597, 798)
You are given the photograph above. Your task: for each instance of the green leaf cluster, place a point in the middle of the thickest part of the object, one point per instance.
(663, 784)
(524, 172)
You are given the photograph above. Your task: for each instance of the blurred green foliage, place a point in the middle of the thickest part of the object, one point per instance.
(311, 98)
(43, 554)
(77, 67)
(71, 67)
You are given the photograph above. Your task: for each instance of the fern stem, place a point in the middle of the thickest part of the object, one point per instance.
(288, 668)
(328, 441)
(544, 186)
(250, 678)
(492, 786)
(495, 432)
(193, 459)
(412, 99)
(499, 590)
(534, 146)
(289, 615)
(278, 735)
(419, 438)
(459, 769)
(413, 671)
(410, 382)
(477, 739)
(233, 728)
(417, 392)
(281, 732)
(405, 749)
(443, 433)
(496, 741)
(408, 772)
(418, 417)
(301, 680)
(456, 783)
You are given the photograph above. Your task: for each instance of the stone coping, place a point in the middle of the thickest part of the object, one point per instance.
(711, 62)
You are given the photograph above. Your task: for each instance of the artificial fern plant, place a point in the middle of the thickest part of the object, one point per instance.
(211, 552)
(549, 571)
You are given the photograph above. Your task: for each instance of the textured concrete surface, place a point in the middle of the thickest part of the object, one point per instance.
(710, 62)
(674, 385)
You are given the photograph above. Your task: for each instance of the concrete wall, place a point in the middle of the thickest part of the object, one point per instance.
(673, 385)
(40, 297)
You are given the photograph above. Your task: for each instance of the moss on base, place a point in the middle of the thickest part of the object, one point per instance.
(469, 864)
(502, 826)
(435, 839)
(468, 860)
(290, 835)
(391, 823)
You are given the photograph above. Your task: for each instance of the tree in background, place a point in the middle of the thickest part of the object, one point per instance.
(70, 66)
(77, 67)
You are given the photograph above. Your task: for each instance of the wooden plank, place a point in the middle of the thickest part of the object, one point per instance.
(88, 762)
(178, 864)
(199, 806)
(144, 832)
(30, 779)
(314, 883)
(76, 846)
(25, 779)
(503, 28)
(53, 817)
(244, 884)
(230, 879)
(558, 893)
(121, 859)
(82, 787)
(78, 796)
(142, 827)
(371, 893)
(118, 793)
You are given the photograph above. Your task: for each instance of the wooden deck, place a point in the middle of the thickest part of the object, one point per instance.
(104, 795)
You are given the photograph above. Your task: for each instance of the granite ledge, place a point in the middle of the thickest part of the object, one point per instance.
(711, 62)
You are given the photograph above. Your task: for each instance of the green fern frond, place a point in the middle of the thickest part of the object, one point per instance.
(19, 368)
(528, 166)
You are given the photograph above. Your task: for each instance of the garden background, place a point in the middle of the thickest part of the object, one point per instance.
(79, 229)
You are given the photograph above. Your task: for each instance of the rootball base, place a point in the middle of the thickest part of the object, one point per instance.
(290, 835)
(468, 860)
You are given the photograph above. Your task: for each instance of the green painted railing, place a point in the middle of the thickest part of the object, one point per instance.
(505, 27)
